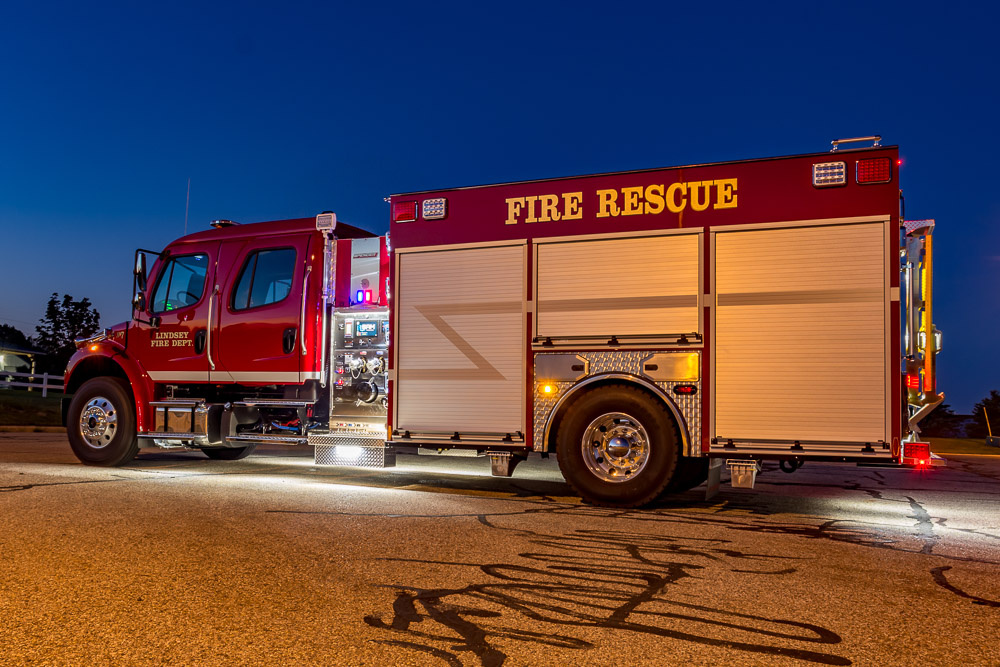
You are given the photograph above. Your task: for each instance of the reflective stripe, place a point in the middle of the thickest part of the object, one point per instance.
(179, 376)
(223, 376)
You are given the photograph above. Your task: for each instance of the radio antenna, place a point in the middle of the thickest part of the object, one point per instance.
(186, 205)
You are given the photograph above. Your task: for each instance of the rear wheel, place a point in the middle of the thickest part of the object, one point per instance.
(229, 453)
(617, 446)
(100, 423)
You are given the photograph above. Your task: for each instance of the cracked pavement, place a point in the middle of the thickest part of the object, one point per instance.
(179, 559)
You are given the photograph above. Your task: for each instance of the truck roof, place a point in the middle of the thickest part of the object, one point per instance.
(257, 229)
(841, 151)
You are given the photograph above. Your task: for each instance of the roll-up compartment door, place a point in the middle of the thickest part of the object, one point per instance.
(800, 349)
(618, 287)
(460, 341)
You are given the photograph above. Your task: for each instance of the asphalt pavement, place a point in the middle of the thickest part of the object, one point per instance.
(176, 559)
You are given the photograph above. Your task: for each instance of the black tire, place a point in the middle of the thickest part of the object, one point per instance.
(690, 472)
(643, 419)
(100, 423)
(229, 453)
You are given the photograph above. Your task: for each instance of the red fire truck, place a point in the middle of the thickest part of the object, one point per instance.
(644, 326)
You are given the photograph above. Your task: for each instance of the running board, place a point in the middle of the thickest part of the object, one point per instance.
(272, 403)
(267, 439)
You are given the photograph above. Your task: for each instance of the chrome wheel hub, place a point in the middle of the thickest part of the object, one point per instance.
(615, 447)
(98, 422)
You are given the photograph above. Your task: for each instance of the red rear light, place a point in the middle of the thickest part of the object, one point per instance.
(921, 451)
(404, 211)
(913, 382)
(874, 170)
(686, 389)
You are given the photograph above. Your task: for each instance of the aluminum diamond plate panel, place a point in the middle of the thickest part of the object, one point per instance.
(627, 362)
(356, 453)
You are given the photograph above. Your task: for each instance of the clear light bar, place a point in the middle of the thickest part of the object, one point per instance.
(434, 209)
(826, 174)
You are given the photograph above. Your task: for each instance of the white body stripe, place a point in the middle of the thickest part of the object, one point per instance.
(277, 377)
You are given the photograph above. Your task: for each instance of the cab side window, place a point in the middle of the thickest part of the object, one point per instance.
(181, 283)
(266, 278)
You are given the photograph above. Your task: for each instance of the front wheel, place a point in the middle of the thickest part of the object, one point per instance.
(100, 423)
(617, 446)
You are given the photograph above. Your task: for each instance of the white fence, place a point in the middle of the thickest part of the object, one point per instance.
(32, 381)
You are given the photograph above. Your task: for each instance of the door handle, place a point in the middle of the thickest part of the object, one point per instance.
(199, 341)
(288, 340)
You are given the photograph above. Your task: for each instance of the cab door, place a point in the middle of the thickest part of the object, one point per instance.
(176, 349)
(258, 334)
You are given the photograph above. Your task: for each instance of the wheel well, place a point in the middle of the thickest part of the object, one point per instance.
(95, 367)
(579, 390)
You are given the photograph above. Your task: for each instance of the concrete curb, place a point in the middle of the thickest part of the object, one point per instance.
(32, 429)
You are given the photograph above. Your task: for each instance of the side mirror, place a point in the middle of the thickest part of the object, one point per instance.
(139, 301)
(140, 271)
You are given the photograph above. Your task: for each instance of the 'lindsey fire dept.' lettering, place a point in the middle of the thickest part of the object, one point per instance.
(640, 200)
(170, 339)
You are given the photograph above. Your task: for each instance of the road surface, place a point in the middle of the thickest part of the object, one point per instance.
(176, 559)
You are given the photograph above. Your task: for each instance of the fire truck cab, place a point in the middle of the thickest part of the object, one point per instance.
(645, 326)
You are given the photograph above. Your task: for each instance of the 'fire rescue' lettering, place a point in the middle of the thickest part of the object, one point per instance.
(649, 200)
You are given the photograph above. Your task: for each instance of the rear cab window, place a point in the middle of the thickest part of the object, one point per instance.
(266, 278)
(181, 283)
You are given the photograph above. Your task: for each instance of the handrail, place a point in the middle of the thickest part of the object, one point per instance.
(620, 339)
(302, 315)
(876, 138)
(208, 335)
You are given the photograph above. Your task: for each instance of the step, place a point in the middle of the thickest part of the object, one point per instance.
(273, 403)
(169, 435)
(271, 439)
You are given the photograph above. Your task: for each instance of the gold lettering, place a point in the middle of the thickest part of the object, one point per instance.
(550, 208)
(725, 193)
(571, 205)
(606, 203)
(514, 206)
(700, 204)
(654, 199)
(633, 201)
(530, 202)
(673, 204)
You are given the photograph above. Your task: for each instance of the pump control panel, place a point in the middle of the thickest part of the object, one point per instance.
(360, 362)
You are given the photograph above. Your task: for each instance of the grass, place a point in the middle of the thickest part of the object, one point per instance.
(19, 407)
(945, 446)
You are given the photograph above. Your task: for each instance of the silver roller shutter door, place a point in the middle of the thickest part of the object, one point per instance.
(800, 334)
(460, 341)
(607, 287)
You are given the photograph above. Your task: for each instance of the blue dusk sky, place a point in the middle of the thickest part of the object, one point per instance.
(280, 110)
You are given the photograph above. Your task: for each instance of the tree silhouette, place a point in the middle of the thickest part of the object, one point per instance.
(11, 335)
(989, 406)
(942, 422)
(63, 323)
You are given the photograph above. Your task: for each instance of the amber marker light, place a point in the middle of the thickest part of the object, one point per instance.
(546, 388)
(93, 348)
